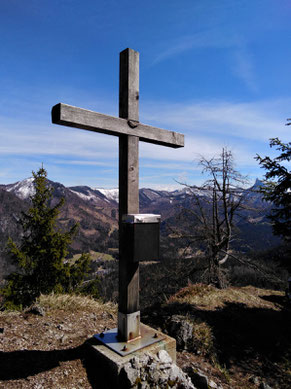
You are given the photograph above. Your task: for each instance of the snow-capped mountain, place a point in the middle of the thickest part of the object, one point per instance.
(91, 195)
(96, 216)
(110, 194)
(100, 197)
(22, 189)
(96, 211)
(157, 201)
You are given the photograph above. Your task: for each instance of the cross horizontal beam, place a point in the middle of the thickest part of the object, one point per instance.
(93, 121)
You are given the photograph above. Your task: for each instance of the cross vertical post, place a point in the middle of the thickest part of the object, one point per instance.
(130, 132)
(128, 307)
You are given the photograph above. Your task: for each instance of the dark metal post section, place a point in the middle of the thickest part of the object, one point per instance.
(142, 235)
(128, 307)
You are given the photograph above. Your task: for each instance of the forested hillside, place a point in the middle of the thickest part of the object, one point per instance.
(96, 212)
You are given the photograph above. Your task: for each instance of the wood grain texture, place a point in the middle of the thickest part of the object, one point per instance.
(128, 182)
(129, 85)
(130, 132)
(128, 175)
(68, 115)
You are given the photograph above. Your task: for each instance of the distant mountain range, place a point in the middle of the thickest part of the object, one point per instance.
(96, 211)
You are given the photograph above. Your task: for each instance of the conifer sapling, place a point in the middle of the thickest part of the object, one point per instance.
(41, 255)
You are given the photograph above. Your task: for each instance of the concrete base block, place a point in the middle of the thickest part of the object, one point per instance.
(104, 365)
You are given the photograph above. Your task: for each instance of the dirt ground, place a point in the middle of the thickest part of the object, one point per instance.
(47, 351)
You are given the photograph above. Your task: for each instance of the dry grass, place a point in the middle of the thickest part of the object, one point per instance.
(95, 255)
(46, 351)
(246, 332)
(203, 339)
(73, 303)
(208, 297)
(8, 313)
(42, 351)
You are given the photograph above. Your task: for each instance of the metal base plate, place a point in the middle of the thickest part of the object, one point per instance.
(148, 336)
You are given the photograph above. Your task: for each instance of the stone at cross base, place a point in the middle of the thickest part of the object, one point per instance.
(141, 370)
(134, 229)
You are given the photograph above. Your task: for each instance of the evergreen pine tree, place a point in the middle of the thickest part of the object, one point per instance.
(40, 258)
(277, 187)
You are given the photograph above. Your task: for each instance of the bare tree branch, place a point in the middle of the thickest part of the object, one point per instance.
(215, 205)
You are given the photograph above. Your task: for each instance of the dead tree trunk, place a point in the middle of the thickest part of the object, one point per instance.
(215, 205)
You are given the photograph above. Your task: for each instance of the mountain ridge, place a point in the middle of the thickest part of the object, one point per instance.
(96, 212)
(24, 188)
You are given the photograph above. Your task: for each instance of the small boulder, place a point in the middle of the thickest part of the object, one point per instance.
(254, 380)
(212, 385)
(129, 375)
(263, 385)
(36, 309)
(199, 379)
(164, 357)
(153, 371)
(182, 330)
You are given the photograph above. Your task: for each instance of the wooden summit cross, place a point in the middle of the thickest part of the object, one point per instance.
(130, 131)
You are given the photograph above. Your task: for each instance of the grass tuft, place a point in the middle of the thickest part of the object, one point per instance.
(223, 370)
(72, 302)
(203, 338)
(208, 297)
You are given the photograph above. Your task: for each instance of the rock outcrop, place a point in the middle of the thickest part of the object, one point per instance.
(153, 372)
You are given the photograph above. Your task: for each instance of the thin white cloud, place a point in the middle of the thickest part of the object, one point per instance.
(204, 39)
(208, 126)
(37, 139)
(250, 121)
(195, 148)
(244, 68)
(82, 163)
(166, 165)
(217, 38)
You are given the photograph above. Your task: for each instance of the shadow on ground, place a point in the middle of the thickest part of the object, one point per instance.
(25, 363)
(255, 340)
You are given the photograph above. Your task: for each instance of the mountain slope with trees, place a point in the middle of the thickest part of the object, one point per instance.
(97, 215)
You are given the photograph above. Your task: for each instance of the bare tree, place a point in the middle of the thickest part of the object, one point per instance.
(214, 207)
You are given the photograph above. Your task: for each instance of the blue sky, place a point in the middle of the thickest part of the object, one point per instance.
(217, 71)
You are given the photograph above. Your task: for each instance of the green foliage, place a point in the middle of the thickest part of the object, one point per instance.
(91, 288)
(40, 259)
(277, 187)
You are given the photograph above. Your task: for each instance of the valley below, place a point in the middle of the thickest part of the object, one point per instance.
(96, 212)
